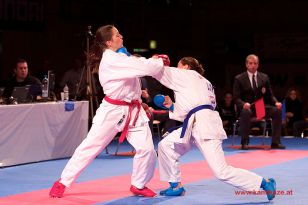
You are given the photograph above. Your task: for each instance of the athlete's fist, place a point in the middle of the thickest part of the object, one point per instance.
(164, 57)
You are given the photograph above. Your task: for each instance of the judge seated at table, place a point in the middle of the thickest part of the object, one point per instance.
(20, 78)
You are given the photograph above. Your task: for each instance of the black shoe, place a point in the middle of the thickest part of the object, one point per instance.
(277, 146)
(244, 147)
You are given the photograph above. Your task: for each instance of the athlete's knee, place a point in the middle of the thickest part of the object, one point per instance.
(150, 152)
(163, 146)
(221, 173)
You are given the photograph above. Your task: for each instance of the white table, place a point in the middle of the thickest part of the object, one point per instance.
(42, 131)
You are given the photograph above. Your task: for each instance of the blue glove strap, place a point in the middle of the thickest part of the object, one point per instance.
(172, 107)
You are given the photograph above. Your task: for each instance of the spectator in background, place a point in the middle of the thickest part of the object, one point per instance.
(227, 112)
(163, 117)
(295, 121)
(75, 78)
(21, 77)
(148, 93)
(43, 70)
(248, 87)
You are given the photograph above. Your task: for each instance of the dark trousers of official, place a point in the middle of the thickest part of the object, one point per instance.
(245, 121)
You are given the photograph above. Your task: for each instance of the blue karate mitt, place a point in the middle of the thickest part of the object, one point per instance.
(159, 102)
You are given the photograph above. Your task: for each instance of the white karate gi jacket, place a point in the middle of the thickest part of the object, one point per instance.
(119, 77)
(186, 84)
(192, 90)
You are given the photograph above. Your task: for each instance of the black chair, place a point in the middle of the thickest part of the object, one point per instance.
(265, 124)
(157, 129)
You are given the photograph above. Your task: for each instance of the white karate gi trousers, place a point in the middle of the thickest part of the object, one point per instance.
(103, 130)
(169, 152)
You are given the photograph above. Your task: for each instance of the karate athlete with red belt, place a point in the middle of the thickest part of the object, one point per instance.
(120, 111)
(195, 106)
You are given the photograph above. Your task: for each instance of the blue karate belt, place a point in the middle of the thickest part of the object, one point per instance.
(190, 113)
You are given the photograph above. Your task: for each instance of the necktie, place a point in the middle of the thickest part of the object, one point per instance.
(254, 84)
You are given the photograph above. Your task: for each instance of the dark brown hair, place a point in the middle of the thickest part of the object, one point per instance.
(102, 35)
(20, 60)
(298, 94)
(193, 64)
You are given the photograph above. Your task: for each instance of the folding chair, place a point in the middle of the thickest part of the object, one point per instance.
(156, 123)
(264, 124)
(156, 128)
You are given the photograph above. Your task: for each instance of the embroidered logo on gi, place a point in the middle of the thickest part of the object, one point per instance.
(121, 120)
(212, 100)
(165, 135)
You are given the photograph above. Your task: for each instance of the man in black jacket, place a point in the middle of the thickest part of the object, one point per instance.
(21, 78)
(248, 87)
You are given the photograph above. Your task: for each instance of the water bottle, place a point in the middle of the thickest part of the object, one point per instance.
(66, 93)
(45, 88)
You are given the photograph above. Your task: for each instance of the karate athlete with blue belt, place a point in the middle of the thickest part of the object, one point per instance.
(195, 106)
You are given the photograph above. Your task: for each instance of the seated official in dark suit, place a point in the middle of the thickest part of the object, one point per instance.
(248, 87)
(21, 78)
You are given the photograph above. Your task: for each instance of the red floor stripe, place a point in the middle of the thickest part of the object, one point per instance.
(106, 189)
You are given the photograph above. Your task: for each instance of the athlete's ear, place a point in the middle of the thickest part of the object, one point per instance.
(108, 44)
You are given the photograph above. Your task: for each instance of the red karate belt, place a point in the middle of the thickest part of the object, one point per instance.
(131, 105)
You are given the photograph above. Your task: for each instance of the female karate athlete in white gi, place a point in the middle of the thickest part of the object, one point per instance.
(119, 111)
(195, 103)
